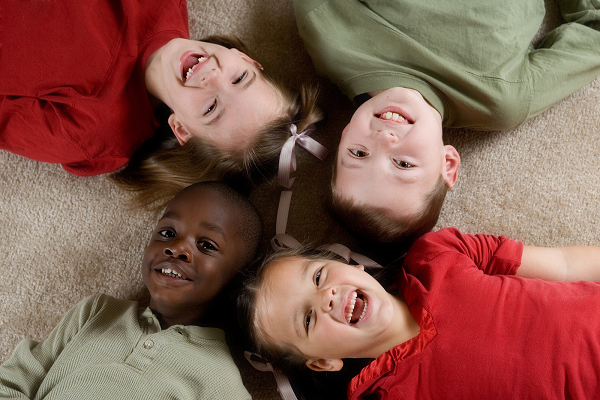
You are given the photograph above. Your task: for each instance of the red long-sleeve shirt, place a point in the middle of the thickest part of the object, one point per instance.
(72, 87)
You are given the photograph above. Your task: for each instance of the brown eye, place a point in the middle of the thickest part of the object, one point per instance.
(204, 245)
(241, 77)
(167, 233)
(358, 153)
(403, 164)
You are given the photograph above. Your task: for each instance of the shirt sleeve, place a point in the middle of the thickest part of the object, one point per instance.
(23, 373)
(494, 255)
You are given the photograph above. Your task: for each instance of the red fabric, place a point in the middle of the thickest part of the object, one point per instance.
(487, 336)
(72, 87)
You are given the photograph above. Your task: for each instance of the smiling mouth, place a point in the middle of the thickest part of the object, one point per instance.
(392, 116)
(172, 274)
(190, 64)
(356, 309)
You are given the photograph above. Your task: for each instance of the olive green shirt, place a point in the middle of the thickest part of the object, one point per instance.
(471, 59)
(106, 348)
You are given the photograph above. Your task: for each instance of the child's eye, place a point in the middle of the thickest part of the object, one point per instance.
(204, 245)
(403, 164)
(307, 320)
(166, 233)
(211, 108)
(241, 77)
(318, 276)
(358, 153)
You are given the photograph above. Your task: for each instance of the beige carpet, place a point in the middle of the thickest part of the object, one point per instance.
(65, 237)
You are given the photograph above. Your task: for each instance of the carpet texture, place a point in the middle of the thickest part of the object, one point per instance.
(66, 237)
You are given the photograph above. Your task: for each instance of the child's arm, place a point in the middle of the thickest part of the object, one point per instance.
(575, 263)
(22, 374)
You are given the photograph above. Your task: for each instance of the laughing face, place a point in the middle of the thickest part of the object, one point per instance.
(327, 311)
(392, 154)
(215, 93)
(193, 253)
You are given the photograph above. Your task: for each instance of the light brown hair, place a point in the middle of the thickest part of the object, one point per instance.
(377, 225)
(162, 167)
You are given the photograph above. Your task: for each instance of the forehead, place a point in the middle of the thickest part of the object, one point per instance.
(202, 204)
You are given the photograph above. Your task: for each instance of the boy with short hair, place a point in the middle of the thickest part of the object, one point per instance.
(425, 64)
(107, 348)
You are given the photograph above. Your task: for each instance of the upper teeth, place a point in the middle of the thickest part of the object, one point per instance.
(171, 273)
(352, 303)
(191, 69)
(392, 115)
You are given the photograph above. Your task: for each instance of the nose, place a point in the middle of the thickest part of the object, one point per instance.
(385, 136)
(327, 300)
(209, 78)
(178, 249)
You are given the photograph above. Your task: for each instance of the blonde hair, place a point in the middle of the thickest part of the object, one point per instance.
(285, 357)
(162, 167)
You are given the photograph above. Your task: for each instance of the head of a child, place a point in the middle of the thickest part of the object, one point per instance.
(206, 235)
(304, 308)
(392, 169)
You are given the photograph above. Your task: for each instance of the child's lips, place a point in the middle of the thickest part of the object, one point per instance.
(171, 271)
(393, 114)
(354, 307)
(190, 63)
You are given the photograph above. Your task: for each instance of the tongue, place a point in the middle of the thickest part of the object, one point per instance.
(359, 307)
(189, 62)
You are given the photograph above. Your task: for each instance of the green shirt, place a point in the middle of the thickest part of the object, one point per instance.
(107, 348)
(471, 59)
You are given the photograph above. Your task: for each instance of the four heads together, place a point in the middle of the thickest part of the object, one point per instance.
(392, 169)
(391, 175)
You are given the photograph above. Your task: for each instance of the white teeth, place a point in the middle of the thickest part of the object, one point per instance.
(352, 304)
(364, 311)
(190, 70)
(171, 273)
(392, 116)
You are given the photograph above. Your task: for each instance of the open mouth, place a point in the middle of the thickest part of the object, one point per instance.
(189, 64)
(394, 114)
(356, 309)
(172, 274)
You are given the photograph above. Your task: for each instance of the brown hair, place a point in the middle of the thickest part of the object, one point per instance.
(375, 224)
(280, 355)
(162, 167)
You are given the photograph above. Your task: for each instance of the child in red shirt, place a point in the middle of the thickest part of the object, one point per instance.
(464, 320)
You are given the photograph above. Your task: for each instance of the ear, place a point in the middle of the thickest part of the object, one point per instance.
(180, 132)
(452, 163)
(322, 364)
(248, 59)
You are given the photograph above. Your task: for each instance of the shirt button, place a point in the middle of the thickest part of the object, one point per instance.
(148, 344)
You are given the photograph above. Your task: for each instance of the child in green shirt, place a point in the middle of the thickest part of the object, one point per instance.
(107, 348)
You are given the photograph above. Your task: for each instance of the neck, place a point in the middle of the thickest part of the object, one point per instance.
(153, 78)
(405, 327)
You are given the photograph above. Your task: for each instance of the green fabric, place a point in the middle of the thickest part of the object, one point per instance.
(471, 59)
(106, 348)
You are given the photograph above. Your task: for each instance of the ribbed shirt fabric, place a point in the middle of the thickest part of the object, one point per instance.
(107, 348)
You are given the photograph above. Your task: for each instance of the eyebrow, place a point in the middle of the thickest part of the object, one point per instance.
(211, 227)
(223, 109)
(298, 313)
